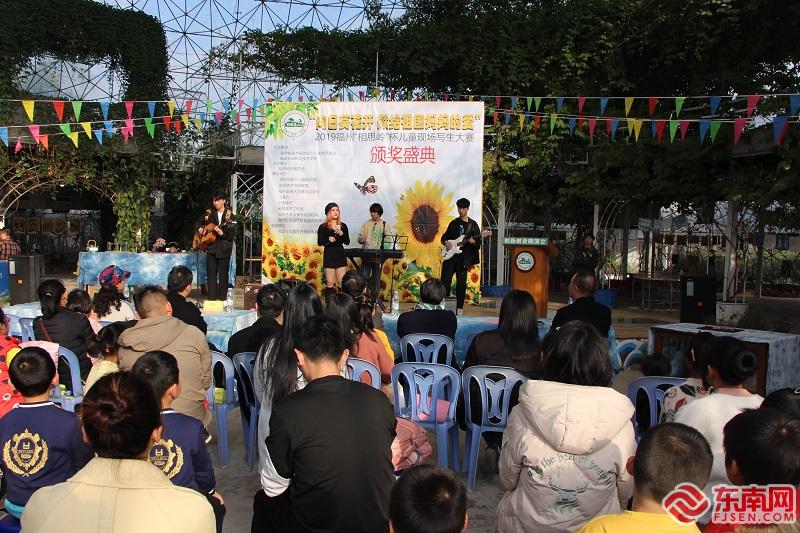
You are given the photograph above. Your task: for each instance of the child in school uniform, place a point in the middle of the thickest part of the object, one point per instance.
(181, 453)
(40, 443)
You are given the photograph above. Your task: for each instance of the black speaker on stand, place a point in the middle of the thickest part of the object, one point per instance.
(699, 299)
(25, 275)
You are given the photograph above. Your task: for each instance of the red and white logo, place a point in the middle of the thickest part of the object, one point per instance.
(755, 504)
(686, 503)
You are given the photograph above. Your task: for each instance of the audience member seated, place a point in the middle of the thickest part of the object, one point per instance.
(108, 349)
(157, 330)
(428, 316)
(269, 306)
(354, 284)
(514, 344)
(583, 307)
(786, 401)
(655, 364)
(356, 323)
(42, 443)
(761, 448)
(179, 285)
(109, 303)
(329, 446)
(79, 301)
(9, 396)
(119, 490)
(63, 327)
(428, 499)
(668, 455)
(181, 451)
(678, 396)
(275, 373)
(728, 366)
(567, 440)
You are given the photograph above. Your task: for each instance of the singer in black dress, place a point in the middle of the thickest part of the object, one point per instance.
(333, 235)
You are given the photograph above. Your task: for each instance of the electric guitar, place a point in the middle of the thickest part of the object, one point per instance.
(457, 244)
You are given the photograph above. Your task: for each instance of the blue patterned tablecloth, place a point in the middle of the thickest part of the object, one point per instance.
(783, 369)
(468, 327)
(145, 268)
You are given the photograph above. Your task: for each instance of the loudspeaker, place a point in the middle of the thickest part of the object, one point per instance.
(450, 304)
(698, 299)
(25, 275)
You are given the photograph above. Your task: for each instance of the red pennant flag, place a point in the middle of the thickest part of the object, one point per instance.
(497, 101)
(581, 101)
(45, 142)
(684, 125)
(581, 120)
(652, 103)
(58, 105)
(608, 126)
(660, 129)
(178, 125)
(738, 127)
(167, 121)
(241, 103)
(188, 104)
(494, 117)
(248, 111)
(129, 108)
(536, 121)
(218, 114)
(592, 126)
(752, 100)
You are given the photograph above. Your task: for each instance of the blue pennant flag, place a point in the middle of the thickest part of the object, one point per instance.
(151, 106)
(202, 116)
(559, 103)
(98, 135)
(614, 124)
(778, 125)
(255, 103)
(527, 118)
(571, 124)
(715, 100)
(104, 108)
(4, 135)
(653, 128)
(603, 104)
(703, 129)
(226, 106)
(508, 116)
(514, 102)
(794, 103)
(109, 127)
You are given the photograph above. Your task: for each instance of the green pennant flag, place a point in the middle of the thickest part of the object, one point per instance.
(537, 100)
(673, 127)
(715, 124)
(76, 107)
(151, 129)
(553, 118)
(65, 129)
(529, 100)
(678, 105)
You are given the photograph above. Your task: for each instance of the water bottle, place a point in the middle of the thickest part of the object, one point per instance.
(126, 292)
(396, 302)
(229, 301)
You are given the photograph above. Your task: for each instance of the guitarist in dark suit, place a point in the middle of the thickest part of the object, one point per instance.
(459, 264)
(218, 253)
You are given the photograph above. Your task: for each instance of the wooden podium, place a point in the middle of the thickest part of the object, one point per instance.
(530, 268)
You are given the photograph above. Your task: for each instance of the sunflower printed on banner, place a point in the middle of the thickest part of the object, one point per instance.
(423, 215)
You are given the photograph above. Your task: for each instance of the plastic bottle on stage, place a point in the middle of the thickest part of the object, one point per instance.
(229, 301)
(396, 303)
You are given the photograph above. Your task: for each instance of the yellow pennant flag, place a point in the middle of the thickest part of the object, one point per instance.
(87, 127)
(171, 105)
(74, 137)
(637, 127)
(185, 119)
(28, 105)
(628, 104)
(197, 123)
(521, 121)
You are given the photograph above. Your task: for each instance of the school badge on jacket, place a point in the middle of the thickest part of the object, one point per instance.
(25, 453)
(167, 456)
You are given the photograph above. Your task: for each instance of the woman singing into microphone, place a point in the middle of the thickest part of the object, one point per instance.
(333, 235)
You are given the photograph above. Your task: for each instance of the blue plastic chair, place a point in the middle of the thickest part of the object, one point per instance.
(495, 399)
(356, 368)
(427, 384)
(624, 348)
(249, 405)
(426, 348)
(220, 410)
(655, 395)
(104, 323)
(26, 325)
(12, 323)
(69, 399)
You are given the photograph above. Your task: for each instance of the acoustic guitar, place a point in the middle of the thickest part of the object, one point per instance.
(202, 242)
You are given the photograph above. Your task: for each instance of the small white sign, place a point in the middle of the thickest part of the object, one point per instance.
(525, 261)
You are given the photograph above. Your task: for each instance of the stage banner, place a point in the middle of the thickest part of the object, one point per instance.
(414, 158)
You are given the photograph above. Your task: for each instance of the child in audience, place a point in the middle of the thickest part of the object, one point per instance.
(761, 448)
(79, 301)
(182, 436)
(691, 389)
(107, 347)
(784, 400)
(428, 499)
(42, 443)
(8, 396)
(668, 455)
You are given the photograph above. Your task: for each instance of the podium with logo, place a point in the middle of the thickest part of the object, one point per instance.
(530, 267)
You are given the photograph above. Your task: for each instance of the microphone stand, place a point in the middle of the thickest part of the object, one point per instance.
(376, 282)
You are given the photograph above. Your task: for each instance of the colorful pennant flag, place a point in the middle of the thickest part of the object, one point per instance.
(637, 127)
(87, 128)
(507, 116)
(571, 125)
(628, 104)
(673, 129)
(58, 107)
(76, 108)
(104, 109)
(537, 102)
(185, 119)
(522, 120)
(581, 103)
(248, 112)
(614, 126)
(34, 128)
(652, 102)
(780, 125)
(65, 129)
(603, 104)
(109, 128)
(679, 100)
(752, 101)
(794, 103)
(98, 134)
(553, 118)
(513, 102)
(198, 123)
(151, 129)
(151, 108)
(18, 147)
(45, 141)
(167, 122)
(660, 129)
(497, 100)
(684, 129)
(28, 105)
(715, 101)
(4, 135)
(592, 126)
(171, 107)
(218, 117)
(74, 138)
(715, 124)
(494, 118)
(226, 104)
(208, 107)
(126, 132)
(703, 129)
(528, 101)
(188, 105)
(129, 109)
(177, 125)
(537, 119)
(559, 103)
(738, 127)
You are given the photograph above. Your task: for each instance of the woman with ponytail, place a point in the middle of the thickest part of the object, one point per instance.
(108, 349)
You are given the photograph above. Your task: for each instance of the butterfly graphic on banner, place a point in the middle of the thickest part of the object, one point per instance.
(368, 187)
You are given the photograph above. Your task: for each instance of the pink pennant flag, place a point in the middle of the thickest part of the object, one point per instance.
(58, 106)
(652, 103)
(188, 104)
(494, 118)
(497, 101)
(129, 109)
(125, 132)
(752, 101)
(241, 103)
(167, 122)
(592, 126)
(738, 127)
(45, 142)
(660, 129)
(18, 147)
(129, 125)
(238, 118)
(218, 114)
(684, 125)
(248, 111)
(34, 131)
(581, 101)
(178, 126)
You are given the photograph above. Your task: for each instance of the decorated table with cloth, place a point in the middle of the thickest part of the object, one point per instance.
(146, 268)
(220, 325)
(778, 353)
